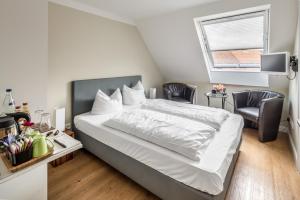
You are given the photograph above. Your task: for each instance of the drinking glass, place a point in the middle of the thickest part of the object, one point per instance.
(38, 116)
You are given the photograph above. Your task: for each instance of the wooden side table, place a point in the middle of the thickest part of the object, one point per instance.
(67, 157)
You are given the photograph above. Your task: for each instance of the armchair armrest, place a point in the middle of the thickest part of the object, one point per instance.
(167, 93)
(270, 112)
(240, 99)
(190, 93)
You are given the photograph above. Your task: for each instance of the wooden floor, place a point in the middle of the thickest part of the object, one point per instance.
(264, 171)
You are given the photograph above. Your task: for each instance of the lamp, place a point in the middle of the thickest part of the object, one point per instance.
(152, 93)
(60, 118)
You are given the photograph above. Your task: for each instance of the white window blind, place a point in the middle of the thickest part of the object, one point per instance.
(238, 34)
(236, 41)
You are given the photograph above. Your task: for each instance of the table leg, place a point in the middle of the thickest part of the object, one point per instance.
(223, 103)
(208, 101)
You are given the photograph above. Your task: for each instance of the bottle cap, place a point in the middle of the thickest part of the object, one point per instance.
(8, 90)
(25, 104)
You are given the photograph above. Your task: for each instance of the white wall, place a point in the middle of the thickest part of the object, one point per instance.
(86, 46)
(23, 50)
(294, 108)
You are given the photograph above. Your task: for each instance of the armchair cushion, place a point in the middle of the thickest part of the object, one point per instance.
(181, 100)
(177, 94)
(249, 113)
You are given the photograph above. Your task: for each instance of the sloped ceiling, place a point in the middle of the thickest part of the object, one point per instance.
(174, 45)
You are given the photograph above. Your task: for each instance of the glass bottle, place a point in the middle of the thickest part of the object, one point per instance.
(8, 103)
(18, 109)
(25, 108)
(11, 108)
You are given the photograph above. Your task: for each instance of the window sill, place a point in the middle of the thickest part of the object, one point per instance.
(240, 78)
(241, 70)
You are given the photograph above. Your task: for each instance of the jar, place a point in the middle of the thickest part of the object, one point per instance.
(7, 126)
(38, 116)
(45, 124)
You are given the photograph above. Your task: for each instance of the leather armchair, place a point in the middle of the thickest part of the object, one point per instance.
(179, 92)
(264, 108)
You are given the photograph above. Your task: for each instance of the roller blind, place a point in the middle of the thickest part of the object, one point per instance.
(235, 33)
(236, 41)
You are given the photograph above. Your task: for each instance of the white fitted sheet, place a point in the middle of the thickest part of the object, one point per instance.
(206, 175)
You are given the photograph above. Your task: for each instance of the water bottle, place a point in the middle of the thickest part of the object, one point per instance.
(8, 103)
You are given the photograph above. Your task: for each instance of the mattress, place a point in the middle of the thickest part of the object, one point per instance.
(206, 175)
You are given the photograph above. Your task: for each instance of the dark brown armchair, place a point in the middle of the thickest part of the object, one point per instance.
(264, 108)
(179, 92)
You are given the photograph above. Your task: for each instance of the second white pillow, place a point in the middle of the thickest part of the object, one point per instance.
(104, 104)
(134, 95)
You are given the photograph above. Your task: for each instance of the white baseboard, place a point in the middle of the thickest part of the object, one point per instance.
(68, 126)
(292, 144)
(294, 151)
(284, 129)
(287, 129)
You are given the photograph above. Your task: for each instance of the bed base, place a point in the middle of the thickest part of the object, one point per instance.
(154, 181)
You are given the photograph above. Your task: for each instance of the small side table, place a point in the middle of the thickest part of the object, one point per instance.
(211, 95)
(67, 157)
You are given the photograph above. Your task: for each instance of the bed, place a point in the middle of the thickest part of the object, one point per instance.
(147, 164)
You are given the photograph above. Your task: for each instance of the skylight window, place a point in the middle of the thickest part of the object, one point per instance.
(234, 42)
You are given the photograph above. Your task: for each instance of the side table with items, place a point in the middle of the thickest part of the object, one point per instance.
(26, 149)
(223, 96)
(36, 189)
(67, 157)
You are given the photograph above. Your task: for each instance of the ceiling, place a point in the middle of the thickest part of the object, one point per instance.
(140, 9)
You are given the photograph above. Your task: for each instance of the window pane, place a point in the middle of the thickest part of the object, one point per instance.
(237, 58)
(237, 34)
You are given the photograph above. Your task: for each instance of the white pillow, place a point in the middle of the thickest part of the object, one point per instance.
(135, 95)
(138, 86)
(104, 104)
(117, 96)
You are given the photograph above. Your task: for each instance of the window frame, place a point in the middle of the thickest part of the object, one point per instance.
(231, 16)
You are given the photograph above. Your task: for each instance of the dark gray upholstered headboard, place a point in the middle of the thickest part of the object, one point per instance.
(84, 91)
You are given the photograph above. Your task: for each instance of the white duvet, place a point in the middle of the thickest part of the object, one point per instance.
(211, 116)
(186, 137)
